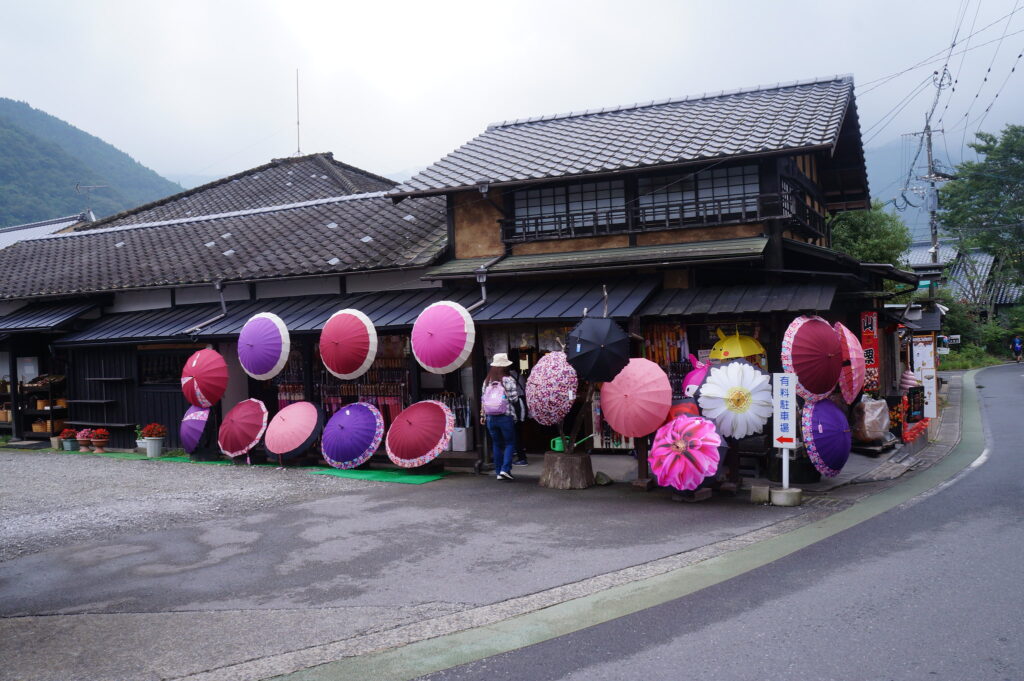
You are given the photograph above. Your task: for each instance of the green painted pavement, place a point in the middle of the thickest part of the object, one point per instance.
(445, 652)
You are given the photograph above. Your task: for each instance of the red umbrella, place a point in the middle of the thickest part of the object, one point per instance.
(348, 344)
(420, 433)
(204, 378)
(811, 350)
(636, 401)
(442, 337)
(243, 427)
(851, 379)
(293, 429)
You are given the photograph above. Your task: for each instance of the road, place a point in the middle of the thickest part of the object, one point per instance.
(928, 590)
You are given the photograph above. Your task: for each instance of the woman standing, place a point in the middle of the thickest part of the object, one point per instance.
(500, 393)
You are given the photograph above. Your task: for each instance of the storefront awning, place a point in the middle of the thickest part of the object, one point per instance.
(42, 316)
(710, 300)
(557, 301)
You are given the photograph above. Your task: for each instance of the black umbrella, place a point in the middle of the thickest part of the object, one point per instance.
(598, 349)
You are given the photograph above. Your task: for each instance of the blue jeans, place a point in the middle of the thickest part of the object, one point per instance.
(502, 429)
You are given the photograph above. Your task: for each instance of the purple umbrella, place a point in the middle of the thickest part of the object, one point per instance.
(193, 425)
(352, 435)
(263, 346)
(827, 436)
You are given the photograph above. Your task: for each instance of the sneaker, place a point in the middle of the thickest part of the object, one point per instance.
(521, 462)
(506, 475)
(498, 477)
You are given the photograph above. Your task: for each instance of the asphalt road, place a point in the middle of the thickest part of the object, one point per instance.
(928, 590)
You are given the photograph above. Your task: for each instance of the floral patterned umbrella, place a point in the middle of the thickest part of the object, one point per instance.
(684, 452)
(353, 435)
(551, 389)
(419, 433)
(826, 436)
(851, 378)
(812, 350)
(737, 397)
(243, 427)
(204, 378)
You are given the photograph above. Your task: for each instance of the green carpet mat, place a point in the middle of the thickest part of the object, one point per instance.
(403, 477)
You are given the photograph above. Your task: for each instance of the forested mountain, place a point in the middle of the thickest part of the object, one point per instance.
(42, 158)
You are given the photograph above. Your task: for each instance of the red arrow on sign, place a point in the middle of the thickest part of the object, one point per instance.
(784, 439)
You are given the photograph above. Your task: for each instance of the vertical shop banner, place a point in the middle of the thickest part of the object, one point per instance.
(869, 341)
(924, 369)
(784, 411)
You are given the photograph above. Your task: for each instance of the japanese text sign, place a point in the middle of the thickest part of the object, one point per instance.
(784, 411)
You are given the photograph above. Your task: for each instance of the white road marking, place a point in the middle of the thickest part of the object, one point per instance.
(977, 463)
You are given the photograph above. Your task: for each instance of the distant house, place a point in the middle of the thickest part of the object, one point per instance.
(973, 276)
(43, 228)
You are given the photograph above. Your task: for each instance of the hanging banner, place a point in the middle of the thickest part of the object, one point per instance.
(924, 369)
(869, 341)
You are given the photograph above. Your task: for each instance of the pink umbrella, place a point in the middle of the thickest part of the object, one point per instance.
(243, 427)
(420, 433)
(263, 346)
(204, 378)
(851, 379)
(348, 344)
(551, 389)
(442, 337)
(684, 452)
(811, 350)
(293, 430)
(635, 402)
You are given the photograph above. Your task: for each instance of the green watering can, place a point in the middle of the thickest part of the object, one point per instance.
(558, 443)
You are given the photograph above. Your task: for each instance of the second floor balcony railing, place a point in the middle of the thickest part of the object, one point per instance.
(649, 218)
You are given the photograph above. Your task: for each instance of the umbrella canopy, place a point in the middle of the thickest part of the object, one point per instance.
(348, 344)
(442, 337)
(263, 346)
(851, 378)
(551, 389)
(735, 346)
(811, 350)
(636, 401)
(737, 397)
(193, 425)
(420, 433)
(827, 437)
(293, 429)
(684, 452)
(242, 428)
(204, 378)
(352, 435)
(598, 349)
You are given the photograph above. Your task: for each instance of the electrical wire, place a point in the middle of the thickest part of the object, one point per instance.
(896, 110)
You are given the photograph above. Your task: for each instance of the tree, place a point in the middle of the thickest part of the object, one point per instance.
(984, 205)
(871, 235)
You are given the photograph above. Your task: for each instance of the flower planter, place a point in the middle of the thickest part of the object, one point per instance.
(153, 446)
(140, 443)
(55, 442)
(69, 445)
(85, 445)
(99, 445)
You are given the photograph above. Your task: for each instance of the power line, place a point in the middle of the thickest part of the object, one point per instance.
(896, 110)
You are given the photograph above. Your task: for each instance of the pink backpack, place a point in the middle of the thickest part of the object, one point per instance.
(495, 400)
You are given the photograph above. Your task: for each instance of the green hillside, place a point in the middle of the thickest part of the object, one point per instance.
(42, 158)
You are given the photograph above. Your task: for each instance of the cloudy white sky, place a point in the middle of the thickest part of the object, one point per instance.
(208, 88)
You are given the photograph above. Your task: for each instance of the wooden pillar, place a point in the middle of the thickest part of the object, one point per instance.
(12, 369)
(643, 481)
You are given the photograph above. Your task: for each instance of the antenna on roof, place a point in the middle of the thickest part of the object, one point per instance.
(79, 187)
(298, 139)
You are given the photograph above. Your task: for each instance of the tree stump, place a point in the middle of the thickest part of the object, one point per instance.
(567, 471)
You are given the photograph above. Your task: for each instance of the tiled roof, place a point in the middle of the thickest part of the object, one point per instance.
(1007, 293)
(919, 254)
(350, 233)
(969, 277)
(767, 119)
(36, 230)
(282, 181)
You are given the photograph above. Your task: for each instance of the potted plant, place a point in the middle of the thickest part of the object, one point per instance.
(67, 440)
(84, 437)
(154, 435)
(100, 438)
(140, 442)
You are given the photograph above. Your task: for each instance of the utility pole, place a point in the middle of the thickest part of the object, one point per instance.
(933, 199)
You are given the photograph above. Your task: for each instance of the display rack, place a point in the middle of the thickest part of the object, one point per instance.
(96, 412)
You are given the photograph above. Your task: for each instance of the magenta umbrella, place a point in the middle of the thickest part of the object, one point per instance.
(443, 336)
(352, 435)
(348, 344)
(811, 350)
(826, 436)
(193, 425)
(684, 452)
(551, 389)
(293, 430)
(420, 433)
(851, 378)
(242, 428)
(636, 401)
(263, 346)
(204, 378)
